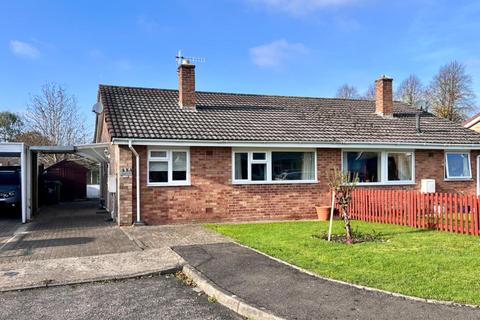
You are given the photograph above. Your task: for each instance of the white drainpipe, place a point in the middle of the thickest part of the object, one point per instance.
(137, 176)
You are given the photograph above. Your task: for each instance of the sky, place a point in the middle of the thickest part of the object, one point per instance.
(285, 47)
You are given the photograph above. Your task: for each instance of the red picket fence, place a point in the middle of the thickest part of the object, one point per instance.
(442, 211)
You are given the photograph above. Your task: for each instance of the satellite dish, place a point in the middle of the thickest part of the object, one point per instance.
(97, 107)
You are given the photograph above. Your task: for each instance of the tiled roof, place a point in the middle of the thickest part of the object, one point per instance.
(155, 114)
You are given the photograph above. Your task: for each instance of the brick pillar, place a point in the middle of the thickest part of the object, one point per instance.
(125, 187)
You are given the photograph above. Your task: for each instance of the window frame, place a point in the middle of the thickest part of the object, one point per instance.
(169, 160)
(446, 171)
(268, 162)
(383, 167)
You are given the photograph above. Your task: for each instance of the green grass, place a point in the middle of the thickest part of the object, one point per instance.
(421, 263)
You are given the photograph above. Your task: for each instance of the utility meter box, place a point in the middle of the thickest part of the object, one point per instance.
(112, 183)
(428, 186)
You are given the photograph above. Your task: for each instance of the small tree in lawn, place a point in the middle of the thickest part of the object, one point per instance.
(343, 184)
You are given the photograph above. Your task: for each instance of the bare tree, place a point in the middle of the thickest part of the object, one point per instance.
(411, 91)
(370, 93)
(450, 93)
(10, 126)
(33, 138)
(54, 115)
(343, 184)
(347, 91)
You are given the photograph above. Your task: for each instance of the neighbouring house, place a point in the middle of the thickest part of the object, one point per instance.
(211, 156)
(473, 123)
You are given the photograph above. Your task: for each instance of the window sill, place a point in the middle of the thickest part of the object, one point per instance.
(457, 179)
(274, 182)
(183, 184)
(391, 183)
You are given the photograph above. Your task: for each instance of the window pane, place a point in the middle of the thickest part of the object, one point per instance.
(293, 166)
(458, 165)
(365, 164)
(259, 156)
(158, 172)
(259, 172)
(158, 154)
(400, 166)
(241, 166)
(179, 166)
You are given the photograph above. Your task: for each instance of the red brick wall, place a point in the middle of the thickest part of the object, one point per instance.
(212, 197)
(430, 165)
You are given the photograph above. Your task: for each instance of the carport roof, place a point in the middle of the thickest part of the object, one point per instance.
(11, 147)
(94, 151)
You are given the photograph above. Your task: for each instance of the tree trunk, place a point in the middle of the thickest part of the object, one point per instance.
(346, 221)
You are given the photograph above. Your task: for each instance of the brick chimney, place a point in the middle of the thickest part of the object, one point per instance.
(186, 85)
(384, 96)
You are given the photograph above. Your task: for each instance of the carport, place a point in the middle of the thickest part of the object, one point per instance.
(97, 152)
(20, 150)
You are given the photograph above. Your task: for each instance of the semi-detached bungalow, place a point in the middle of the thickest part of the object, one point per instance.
(187, 156)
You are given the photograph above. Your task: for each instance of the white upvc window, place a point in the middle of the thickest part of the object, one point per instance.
(168, 167)
(380, 167)
(457, 165)
(252, 166)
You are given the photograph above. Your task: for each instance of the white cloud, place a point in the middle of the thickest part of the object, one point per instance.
(24, 49)
(276, 53)
(300, 7)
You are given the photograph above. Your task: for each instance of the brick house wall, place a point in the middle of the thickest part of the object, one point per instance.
(212, 197)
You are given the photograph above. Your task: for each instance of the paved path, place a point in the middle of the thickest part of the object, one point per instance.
(50, 272)
(150, 237)
(292, 294)
(67, 230)
(148, 298)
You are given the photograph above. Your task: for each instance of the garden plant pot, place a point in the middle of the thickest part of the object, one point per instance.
(323, 213)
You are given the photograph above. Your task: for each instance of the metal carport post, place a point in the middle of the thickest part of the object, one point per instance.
(15, 150)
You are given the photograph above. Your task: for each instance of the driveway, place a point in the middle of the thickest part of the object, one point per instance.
(66, 230)
(146, 298)
(73, 243)
(292, 294)
(8, 226)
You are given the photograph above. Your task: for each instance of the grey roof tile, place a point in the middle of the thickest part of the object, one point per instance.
(154, 114)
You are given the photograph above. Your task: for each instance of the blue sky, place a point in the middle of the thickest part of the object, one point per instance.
(297, 47)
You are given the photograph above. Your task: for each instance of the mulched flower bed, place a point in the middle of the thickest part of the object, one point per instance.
(357, 237)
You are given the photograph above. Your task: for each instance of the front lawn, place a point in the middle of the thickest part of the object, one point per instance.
(421, 263)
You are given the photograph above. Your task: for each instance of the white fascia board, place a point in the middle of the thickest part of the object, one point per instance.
(256, 144)
(12, 147)
(92, 145)
(471, 123)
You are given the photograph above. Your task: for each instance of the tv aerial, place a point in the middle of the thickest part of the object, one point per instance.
(180, 59)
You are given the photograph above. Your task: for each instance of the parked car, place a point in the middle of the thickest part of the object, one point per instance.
(10, 188)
